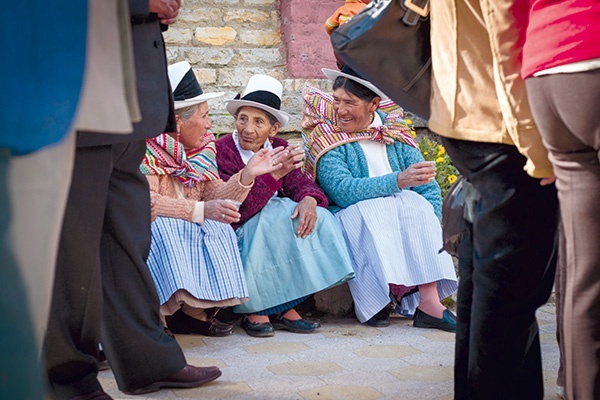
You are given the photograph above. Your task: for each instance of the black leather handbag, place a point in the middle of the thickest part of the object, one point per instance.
(388, 44)
(458, 206)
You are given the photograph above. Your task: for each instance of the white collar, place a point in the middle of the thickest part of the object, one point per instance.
(376, 121)
(247, 154)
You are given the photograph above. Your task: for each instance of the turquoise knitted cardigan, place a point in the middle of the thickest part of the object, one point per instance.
(343, 173)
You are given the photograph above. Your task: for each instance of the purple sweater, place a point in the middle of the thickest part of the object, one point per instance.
(295, 185)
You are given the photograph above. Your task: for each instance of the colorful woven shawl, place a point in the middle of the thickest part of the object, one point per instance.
(322, 133)
(166, 156)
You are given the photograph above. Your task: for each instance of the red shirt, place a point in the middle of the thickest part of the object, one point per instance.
(559, 33)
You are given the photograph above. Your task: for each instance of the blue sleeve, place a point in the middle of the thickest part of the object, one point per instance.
(342, 187)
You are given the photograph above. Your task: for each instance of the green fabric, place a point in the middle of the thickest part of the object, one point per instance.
(20, 375)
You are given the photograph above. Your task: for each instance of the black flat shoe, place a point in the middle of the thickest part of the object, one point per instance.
(181, 323)
(446, 323)
(256, 329)
(297, 325)
(381, 319)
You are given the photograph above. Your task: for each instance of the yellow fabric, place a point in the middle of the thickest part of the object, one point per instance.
(477, 93)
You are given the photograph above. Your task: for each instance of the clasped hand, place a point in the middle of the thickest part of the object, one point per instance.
(222, 210)
(263, 162)
(416, 174)
(167, 10)
(292, 160)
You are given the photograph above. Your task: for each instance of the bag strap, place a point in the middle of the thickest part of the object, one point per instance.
(416, 10)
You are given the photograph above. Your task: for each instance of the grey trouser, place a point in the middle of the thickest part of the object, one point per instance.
(566, 108)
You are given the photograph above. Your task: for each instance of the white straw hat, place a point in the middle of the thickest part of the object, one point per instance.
(263, 92)
(186, 89)
(332, 74)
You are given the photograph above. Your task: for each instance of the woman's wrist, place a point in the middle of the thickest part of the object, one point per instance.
(246, 179)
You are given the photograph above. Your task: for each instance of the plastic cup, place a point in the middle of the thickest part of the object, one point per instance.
(236, 203)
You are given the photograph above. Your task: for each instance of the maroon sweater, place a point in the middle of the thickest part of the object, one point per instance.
(295, 185)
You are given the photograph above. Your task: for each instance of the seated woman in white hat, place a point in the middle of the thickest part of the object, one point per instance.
(291, 246)
(194, 258)
(386, 199)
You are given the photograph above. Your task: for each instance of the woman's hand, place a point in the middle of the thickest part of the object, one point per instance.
(153, 210)
(221, 210)
(306, 212)
(293, 160)
(416, 174)
(263, 162)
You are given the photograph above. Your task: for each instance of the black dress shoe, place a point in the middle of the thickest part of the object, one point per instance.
(381, 319)
(181, 323)
(295, 325)
(446, 323)
(102, 362)
(97, 395)
(256, 329)
(189, 377)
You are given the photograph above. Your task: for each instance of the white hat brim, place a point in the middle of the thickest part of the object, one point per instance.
(179, 104)
(332, 74)
(234, 105)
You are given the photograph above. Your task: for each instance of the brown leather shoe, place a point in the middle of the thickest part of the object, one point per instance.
(189, 377)
(97, 395)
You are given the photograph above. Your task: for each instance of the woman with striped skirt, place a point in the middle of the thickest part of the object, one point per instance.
(385, 197)
(194, 257)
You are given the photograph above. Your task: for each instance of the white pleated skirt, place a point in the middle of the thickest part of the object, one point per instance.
(394, 240)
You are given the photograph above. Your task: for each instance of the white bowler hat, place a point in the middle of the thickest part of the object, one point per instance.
(263, 92)
(186, 89)
(332, 74)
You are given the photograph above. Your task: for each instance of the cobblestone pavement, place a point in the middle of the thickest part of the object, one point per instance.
(344, 360)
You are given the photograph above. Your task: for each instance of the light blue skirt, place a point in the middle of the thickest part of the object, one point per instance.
(202, 259)
(394, 239)
(281, 267)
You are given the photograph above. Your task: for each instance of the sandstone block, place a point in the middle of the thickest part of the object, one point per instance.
(199, 15)
(178, 36)
(264, 57)
(217, 36)
(261, 38)
(209, 55)
(247, 16)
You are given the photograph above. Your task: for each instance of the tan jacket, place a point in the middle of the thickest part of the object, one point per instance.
(477, 93)
(171, 199)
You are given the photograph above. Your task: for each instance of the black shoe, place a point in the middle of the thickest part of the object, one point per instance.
(256, 329)
(181, 323)
(446, 323)
(102, 361)
(381, 319)
(295, 325)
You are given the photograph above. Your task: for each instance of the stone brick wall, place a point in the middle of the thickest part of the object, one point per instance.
(227, 41)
